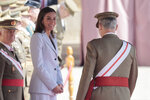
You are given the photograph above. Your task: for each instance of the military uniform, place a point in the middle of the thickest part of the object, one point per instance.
(63, 10)
(34, 9)
(99, 54)
(13, 12)
(8, 71)
(11, 78)
(17, 44)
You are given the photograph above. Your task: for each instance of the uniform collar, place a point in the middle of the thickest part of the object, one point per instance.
(7, 46)
(110, 33)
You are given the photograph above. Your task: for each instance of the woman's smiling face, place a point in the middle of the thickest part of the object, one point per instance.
(49, 21)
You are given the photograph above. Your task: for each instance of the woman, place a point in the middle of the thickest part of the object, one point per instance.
(46, 79)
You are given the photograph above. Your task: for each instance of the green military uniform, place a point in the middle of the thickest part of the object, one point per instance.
(22, 36)
(99, 53)
(11, 80)
(34, 9)
(71, 7)
(13, 11)
(17, 44)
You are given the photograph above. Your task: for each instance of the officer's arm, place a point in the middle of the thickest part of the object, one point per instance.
(87, 72)
(133, 73)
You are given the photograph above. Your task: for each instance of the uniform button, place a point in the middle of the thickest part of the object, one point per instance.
(9, 91)
(55, 59)
(13, 69)
(54, 68)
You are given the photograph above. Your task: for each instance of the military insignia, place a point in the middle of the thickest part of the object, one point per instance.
(9, 91)
(13, 23)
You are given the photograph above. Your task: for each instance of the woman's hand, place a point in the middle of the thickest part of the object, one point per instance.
(61, 86)
(57, 89)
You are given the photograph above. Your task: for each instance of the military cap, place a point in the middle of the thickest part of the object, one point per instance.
(22, 9)
(4, 12)
(14, 5)
(6, 2)
(21, 2)
(8, 24)
(16, 15)
(33, 4)
(25, 13)
(103, 15)
(72, 6)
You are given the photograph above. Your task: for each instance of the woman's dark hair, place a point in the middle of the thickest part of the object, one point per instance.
(39, 25)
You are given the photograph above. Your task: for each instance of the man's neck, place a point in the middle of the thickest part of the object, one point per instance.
(107, 32)
(6, 45)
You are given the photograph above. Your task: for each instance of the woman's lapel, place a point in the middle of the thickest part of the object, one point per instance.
(48, 41)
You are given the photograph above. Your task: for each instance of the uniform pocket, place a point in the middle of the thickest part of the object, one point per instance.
(10, 92)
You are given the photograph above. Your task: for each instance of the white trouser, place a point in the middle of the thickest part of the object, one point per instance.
(38, 96)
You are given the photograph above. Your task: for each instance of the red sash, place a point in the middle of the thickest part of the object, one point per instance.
(103, 78)
(12, 82)
(106, 81)
(14, 62)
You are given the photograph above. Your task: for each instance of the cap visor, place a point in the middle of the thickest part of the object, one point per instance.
(11, 28)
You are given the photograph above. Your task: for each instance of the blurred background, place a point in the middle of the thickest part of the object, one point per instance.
(77, 28)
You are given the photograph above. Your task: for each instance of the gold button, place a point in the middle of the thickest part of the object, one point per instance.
(9, 91)
(13, 68)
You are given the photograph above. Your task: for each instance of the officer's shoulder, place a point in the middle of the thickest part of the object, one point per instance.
(3, 59)
(93, 41)
(130, 43)
(1, 56)
(133, 49)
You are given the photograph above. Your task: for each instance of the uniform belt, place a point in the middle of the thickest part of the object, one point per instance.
(106, 81)
(111, 81)
(12, 82)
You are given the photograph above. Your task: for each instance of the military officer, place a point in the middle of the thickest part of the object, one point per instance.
(63, 10)
(11, 75)
(110, 62)
(34, 9)
(9, 12)
(17, 44)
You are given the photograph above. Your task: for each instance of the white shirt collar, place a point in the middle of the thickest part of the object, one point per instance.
(110, 33)
(7, 46)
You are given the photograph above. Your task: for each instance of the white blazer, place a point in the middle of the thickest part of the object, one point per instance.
(46, 74)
